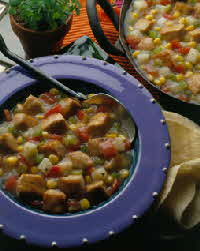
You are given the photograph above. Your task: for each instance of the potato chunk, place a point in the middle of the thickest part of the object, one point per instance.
(54, 123)
(194, 83)
(146, 44)
(195, 35)
(54, 201)
(72, 185)
(32, 105)
(31, 184)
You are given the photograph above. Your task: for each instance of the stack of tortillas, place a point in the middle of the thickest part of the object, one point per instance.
(180, 196)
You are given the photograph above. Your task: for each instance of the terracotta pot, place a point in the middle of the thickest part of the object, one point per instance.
(40, 43)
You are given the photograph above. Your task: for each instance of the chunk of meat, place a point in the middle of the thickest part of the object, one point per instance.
(96, 192)
(54, 123)
(54, 201)
(32, 105)
(146, 44)
(72, 185)
(184, 8)
(53, 146)
(99, 124)
(94, 146)
(166, 56)
(143, 24)
(8, 143)
(195, 35)
(173, 31)
(80, 159)
(69, 107)
(194, 83)
(30, 184)
(23, 121)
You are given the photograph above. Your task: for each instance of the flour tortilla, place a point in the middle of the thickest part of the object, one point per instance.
(185, 138)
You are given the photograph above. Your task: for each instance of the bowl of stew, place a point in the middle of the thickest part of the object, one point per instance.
(67, 167)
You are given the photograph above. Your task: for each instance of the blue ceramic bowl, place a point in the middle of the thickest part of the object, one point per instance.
(152, 155)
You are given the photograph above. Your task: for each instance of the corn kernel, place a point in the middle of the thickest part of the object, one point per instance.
(162, 80)
(51, 184)
(154, 11)
(72, 127)
(11, 161)
(130, 28)
(188, 65)
(153, 21)
(20, 140)
(183, 20)
(135, 53)
(91, 95)
(149, 17)
(192, 44)
(85, 204)
(109, 179)
(40, 116)
(45, 134)
(180, 77)
(1, 171)
(190, 28)
(157, 28)
(157, 82)
(34, 170)
(88, 179)
(124, 173)
(20, 148)
(54, 91)
(111, 135)
(157, 41)
(188, 74)
(179, 58)
(176, 14)
(168, 46)
(134, 15)
(53, 158)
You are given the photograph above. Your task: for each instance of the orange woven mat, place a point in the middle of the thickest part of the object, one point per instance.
(81, 27)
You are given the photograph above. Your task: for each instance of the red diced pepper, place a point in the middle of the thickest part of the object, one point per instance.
(80, 114)
(149, 2)
(54, 172)
(127, 145)
(37, 139)
(7, 115)
(108, 149)
(168, 16)
(55, 136)
(179, 68)
(56, 109)
(48, 98)
(23, 160)
(83, 134)
(184, 50)
(10, 184)
(165, 2)
(112, 189)
(176, 44)
(103, 108)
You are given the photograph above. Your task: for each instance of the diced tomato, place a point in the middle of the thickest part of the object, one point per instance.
(127, 145)
(83, 134)
(168, 16)
(165, 2)
(80, 114)
(176, 44)
(23, 160)
(179, 68)
(103, 108)
(133, 42)
(10, 184)
(37, 139)
(108, 149)
(54, 172)
(48, 98)
(7, 114)
(55, 136)
(184, 50)
(149, 2)
(56, 109)
(112, 189)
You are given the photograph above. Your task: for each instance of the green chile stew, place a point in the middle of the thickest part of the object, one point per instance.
(62, 156)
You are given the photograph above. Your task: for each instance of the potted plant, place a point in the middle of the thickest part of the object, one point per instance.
(41, 24)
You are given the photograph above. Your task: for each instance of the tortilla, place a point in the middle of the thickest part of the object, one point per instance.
(185, 138)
